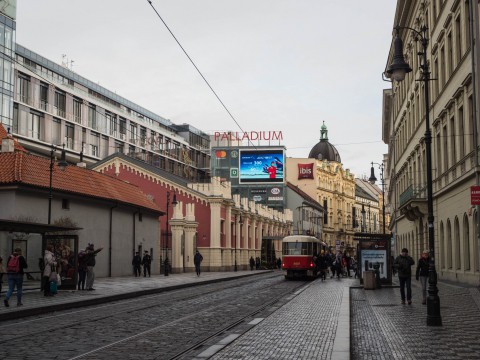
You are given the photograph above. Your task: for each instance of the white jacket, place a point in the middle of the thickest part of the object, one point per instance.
(49, 260)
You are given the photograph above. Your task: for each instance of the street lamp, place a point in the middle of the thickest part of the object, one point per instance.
(397, 70)
(240, 222)
(372, 181)
(62, 164)
(174, 202)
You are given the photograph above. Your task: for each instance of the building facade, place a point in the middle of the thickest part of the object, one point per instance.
(226, 228)
(323, 178)
(452, 55)
(110, 213)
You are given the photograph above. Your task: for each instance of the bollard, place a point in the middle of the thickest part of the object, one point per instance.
(376, 268)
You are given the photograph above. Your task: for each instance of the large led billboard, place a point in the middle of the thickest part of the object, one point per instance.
(261, 166)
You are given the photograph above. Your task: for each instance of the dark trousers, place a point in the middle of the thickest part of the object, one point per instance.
(137, 270)
(46, 285)
(197, 269)
(146, 269)
(405, 282)
(82, 275)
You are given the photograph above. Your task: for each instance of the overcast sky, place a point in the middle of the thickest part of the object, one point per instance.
(283, 65)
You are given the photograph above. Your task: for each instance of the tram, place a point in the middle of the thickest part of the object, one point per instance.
(298, 253)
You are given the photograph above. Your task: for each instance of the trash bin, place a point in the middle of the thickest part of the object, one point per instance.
(369, 280)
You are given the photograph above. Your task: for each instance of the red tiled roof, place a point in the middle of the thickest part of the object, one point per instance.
(3, 135)
(22, 168)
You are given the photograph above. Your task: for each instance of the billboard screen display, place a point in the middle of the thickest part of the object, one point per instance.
(261, 166)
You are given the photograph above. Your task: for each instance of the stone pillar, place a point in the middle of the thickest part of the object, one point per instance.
(215, 256)
(177, 226)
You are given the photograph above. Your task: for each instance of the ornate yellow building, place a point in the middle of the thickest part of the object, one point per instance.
(323, 177)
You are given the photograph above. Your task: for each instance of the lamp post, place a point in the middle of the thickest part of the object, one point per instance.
(62, 164)
(240, 222)
(397, 71)
(174, 202)
(372, 181)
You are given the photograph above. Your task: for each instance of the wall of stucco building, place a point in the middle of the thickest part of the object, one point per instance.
(91, 215)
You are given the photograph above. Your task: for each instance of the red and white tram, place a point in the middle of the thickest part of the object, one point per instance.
(297, 256)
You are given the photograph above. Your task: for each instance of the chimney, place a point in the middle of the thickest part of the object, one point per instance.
(8, 144)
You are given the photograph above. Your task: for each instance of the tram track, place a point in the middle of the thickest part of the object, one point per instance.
(153, 317)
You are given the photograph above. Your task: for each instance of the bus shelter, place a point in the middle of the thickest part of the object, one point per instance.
(17, 234)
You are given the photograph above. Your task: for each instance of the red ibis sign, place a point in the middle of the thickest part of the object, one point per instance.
(475, 195)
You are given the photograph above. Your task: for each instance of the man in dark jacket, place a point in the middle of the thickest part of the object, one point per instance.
(147, 262)
(422, 273)
(403, 264)
(15, 265)
(197, 260)
(91, 253)
(136, 262)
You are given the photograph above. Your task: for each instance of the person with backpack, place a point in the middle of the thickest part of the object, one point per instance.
(82, 269)
(147, 262)
(15, 265)
(49, 266)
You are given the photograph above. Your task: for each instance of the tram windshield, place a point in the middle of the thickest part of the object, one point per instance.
(299, 248)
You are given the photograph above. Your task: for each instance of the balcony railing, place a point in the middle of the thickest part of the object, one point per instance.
(413, 193)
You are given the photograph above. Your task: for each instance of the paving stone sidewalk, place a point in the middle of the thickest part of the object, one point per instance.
(383, 328)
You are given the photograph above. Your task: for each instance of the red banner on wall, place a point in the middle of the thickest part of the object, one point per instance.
(475, 195)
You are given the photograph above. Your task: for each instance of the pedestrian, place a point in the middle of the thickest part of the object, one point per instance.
(279, 264)
(82, 269)
(166, 266)
(252, 263)
(348, 263)
(392, 262)
(322, 265)
(91, 254)
(257, 263)
(338, 264)
(422, 273)
(50, 264)
(197, 260)
(403, 264)
(136, 262)
(354, 266)
(147, 262)
(15, 265)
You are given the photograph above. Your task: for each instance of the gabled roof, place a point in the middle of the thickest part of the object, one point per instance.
(20, 168)
(4, 134)
(311, 201)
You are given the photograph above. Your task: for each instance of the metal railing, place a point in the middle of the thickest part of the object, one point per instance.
(413, 193)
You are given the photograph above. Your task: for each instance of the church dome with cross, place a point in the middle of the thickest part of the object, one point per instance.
(323, 150)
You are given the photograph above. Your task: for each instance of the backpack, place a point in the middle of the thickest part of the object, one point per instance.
(13, 264)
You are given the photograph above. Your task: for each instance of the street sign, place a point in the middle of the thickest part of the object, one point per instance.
(475, 195)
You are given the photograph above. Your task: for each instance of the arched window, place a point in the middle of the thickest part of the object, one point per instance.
(456, 242)
(449, 245)
(466, 242)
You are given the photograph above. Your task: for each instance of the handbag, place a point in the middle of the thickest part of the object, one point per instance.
(53, 277)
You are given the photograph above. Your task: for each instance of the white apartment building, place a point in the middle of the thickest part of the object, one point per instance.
(452, 55)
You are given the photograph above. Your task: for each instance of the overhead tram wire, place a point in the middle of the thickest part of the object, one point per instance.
(198, 70)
